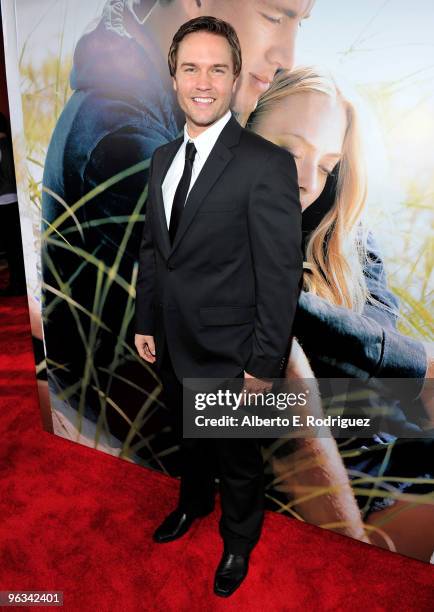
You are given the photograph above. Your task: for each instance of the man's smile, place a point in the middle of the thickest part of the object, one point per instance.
(203, 101)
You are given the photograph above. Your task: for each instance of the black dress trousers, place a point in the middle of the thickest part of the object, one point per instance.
(236, 461)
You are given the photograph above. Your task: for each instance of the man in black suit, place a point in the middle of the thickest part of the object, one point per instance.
(219, 279)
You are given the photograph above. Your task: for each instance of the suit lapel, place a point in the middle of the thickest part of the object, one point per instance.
(215, 164)
(159, 179)
(212, 169)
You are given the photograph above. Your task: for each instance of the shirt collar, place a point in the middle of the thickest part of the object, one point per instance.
(207, 139)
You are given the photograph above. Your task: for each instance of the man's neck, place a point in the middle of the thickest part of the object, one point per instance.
(193, 130)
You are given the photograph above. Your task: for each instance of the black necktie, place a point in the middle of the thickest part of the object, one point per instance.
(181, 191)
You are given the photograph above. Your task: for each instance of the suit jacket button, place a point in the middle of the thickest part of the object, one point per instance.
(170, 266)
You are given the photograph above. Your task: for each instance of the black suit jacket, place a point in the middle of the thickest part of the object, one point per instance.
(223, 296)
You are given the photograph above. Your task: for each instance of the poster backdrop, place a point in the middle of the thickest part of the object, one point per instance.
(350, 94)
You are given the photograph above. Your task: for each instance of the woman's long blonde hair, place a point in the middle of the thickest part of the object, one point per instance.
(335, 251)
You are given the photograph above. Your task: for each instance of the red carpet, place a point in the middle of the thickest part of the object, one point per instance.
(80, 521)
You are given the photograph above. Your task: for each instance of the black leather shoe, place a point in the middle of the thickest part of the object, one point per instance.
(175, 525)
(230, 573)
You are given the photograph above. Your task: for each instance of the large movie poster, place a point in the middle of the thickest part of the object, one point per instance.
(347, 88)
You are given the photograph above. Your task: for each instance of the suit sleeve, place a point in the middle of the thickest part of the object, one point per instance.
(274, 220)
(145, 289)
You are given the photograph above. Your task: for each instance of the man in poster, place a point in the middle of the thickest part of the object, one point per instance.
(122, 108)
(219, 278)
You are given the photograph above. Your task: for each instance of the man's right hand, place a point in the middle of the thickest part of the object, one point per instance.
(145, 346)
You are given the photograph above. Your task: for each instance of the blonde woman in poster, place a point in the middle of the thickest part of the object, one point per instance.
(346, 322)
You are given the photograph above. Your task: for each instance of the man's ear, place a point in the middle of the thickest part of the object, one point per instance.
(234, 86)
(174, 83)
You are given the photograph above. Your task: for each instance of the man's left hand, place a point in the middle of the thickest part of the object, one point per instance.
(252, 384)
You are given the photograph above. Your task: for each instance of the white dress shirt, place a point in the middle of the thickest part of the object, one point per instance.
(204, 144)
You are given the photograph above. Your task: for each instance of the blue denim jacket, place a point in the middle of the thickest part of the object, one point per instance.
(122, 108)
(341, 343)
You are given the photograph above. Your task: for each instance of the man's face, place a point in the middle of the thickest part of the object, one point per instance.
(204, 80)
(267, 31)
